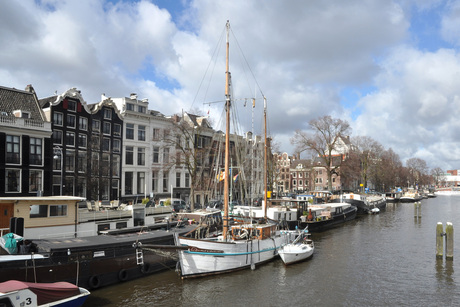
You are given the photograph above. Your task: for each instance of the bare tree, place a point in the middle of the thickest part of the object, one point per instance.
(325, 139)
(192, 147)
(438, 175)
(417, 170)
(369, 151)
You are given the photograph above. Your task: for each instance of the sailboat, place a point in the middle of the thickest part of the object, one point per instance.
(242, 244)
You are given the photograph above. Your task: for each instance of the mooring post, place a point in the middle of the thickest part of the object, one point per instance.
(439, 240)
(417, 209)
(449, 241)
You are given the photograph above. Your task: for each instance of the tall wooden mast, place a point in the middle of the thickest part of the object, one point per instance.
(265, 158)
(227, 136)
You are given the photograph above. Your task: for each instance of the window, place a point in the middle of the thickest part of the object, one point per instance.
(300, 175)
(58, 210)
(70, 138)
(155, 134)
(58, 118)
(106, 144)
(177, 179)
(38, 211)
(141, 156)
(35, 181)
(81, 163)
(116, 166)
(294, 182)
(70, 161)
(294, 175)
(116, 145)
(107, 114)
(141, 133)
(71, 120)
(165, 182)
(187, 180)
(130, 131)
(71, 105)
(140, 182)
(154, 181)
(141, 109)
(12, 149)
(95, 163)
(129, 155)
(156, 154)
(96, 126)
(106, 128)
(300, 182)
(166, 155)
(36, 151)
(57, 137)
(82, 140)
(128, 183)
(116, 129)
(83, 123)
(106, 165)
(13, 180)
(129, 107)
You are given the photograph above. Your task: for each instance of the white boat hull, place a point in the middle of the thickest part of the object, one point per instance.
(292, 253)
(206, 257)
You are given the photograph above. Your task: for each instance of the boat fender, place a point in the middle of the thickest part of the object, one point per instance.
(145, 268)
(94, 282)
(123, 275)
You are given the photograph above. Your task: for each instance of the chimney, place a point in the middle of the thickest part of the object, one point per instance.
(30, 89)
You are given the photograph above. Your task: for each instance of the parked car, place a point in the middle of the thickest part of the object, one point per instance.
(176, 203)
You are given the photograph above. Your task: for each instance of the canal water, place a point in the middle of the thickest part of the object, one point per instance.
(387, 259)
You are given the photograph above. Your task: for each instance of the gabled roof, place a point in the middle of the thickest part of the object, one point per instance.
(12, 99)
(57, 99)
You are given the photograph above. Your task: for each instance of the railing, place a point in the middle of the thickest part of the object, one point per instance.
(66, 235)
(24, 123)
(158, 210)
(4, 231)
(86, 216)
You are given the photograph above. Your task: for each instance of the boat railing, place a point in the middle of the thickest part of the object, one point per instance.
(86, 216)
(66, 235)
(158, 210)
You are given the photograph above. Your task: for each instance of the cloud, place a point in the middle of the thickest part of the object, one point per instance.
(305, 56)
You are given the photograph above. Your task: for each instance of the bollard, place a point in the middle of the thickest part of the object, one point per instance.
(449, 241)
(439, 240)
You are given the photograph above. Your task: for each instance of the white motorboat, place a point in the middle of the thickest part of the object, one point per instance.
(300, 249)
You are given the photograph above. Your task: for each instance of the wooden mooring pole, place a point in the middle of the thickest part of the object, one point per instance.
(418, 209)
(449, 240)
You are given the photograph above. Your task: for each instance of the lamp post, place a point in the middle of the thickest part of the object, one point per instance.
(57, 155)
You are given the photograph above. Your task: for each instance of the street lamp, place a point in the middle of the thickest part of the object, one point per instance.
(57, 155)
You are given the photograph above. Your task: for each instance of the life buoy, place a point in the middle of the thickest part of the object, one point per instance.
(145, 268)
(123, 275)
(94, 282)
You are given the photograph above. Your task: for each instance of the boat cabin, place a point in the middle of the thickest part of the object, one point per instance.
(253, 231)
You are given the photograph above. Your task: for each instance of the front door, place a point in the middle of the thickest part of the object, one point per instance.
(6, 213)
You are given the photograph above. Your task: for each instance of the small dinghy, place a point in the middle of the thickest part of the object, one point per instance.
(300, 249)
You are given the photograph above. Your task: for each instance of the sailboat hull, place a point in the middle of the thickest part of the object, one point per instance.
(206, 257)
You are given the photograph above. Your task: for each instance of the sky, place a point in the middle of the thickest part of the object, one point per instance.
(390, 68)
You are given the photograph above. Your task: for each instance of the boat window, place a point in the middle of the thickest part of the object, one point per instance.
(38, 211)
(58, 210)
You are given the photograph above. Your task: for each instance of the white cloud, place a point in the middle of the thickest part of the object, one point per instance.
(304, 55)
